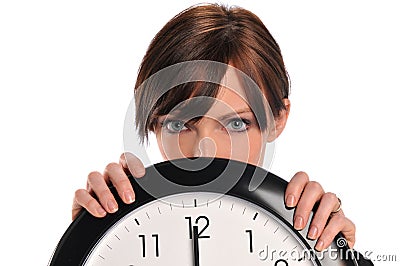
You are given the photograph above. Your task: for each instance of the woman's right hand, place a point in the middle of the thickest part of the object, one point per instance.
(97, 187)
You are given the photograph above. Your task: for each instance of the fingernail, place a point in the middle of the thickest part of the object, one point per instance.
(101, 211)
(298, 223)
(319, 245)
(312, 233)
(128, 195)
(112, 206)
(140, 172)
(290, 200)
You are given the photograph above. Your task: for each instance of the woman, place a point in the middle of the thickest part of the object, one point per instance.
(238, 38)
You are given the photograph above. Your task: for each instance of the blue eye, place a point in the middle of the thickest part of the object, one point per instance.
(174, 126)
(237, 125)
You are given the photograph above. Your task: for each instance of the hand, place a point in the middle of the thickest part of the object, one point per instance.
(97, 185)
(326, 223)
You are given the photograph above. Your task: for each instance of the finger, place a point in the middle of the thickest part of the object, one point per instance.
(133, 164)
(338, 223)
(98, 185)
(83, 199)
(328, 203)
(311, 194)
(295, 188)
(120, 180)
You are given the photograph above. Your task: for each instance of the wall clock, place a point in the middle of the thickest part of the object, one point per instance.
(200, 225)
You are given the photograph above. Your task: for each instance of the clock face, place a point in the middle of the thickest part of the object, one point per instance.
(214, 218)
(230, 231)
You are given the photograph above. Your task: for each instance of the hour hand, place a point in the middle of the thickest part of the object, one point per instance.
(196, 245)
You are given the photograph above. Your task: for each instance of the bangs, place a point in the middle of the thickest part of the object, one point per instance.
(176, 102)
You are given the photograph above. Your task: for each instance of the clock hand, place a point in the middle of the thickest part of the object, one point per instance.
(196, 245)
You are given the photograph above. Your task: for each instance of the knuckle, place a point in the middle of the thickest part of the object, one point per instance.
(303, 175)
(329, 234)
(123, 183)
(105, 194)
(112, 166)
(93, 175)
(319, 219)
(79, 193)
(330, 196)
(92, 204)
(314, 185)
(340, 220)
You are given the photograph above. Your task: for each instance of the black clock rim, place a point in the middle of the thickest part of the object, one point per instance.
(86, 230)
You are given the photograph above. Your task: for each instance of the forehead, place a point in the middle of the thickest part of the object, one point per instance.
(231, 94)
(229, 99)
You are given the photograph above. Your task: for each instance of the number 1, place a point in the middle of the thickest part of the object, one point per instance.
(250, 240)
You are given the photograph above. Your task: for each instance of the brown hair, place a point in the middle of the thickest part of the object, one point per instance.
(230, 35)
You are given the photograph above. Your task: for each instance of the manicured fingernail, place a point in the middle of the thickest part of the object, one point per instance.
(101, 211)
(298, 223)
(112, 205)
(140, 172)
(319, 245)
(128, 195)
(312, 233)
(290, 200)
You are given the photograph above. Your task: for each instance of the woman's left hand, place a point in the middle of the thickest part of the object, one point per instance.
(327, 222)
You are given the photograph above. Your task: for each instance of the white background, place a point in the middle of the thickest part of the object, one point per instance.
(67, 71)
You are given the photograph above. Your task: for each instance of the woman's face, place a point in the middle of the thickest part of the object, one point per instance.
(228, 130)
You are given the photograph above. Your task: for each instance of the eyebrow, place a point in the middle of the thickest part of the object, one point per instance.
(223, 117)
(235, 113)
